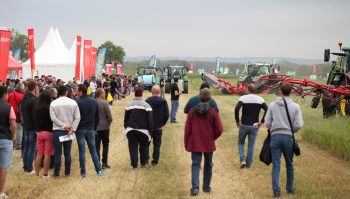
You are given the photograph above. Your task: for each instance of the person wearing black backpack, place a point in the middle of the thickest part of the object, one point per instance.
(282, 138)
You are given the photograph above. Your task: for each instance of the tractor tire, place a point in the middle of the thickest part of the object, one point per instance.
(185, 88)
(329, 110)
(167, 87)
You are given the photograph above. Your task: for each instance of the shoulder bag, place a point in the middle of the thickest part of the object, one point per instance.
(296, 148)
(265, 153)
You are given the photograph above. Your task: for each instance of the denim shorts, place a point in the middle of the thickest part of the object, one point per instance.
(6, 147)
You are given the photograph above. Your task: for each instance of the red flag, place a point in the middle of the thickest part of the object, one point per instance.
(31, 48)
(77, 62)
(87, 57)
(5, 42)
(119, 69)
(93, 60)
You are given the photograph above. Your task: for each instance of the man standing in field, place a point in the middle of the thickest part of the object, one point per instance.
(90, 118)
(282, 138)
(195, 100)
(160, 117)
(65, 115)
(175, 94)
(251, 105)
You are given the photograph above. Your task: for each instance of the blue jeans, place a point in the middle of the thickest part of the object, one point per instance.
(29, 150)
(196, 166)
(282, 144)
(89, 137)
(67, 146)
(174, 107)
(251, 132)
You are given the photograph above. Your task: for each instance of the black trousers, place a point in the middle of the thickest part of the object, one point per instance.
(102, 136)
(138, 141)
(157, 141)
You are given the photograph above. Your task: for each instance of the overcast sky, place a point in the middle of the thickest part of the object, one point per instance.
(200, 28)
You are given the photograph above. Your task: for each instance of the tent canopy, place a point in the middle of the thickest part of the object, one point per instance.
(13, 64)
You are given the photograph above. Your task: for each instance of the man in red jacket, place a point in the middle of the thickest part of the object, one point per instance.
(15, 99)
(203, 127)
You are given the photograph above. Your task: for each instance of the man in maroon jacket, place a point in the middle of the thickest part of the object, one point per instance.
(203, 127)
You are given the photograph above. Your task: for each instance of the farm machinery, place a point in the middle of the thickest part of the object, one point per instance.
(250, 73)
(179, 72)
(334, 96)
(149, 75)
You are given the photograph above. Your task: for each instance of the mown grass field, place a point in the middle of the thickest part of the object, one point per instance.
(319, 171)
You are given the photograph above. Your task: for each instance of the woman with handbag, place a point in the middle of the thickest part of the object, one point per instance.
(283, 118)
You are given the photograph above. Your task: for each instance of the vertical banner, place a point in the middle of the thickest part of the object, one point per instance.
(217, 70)
(119, 69)
(100, 62)
(5, 42)
(108, 69)
(93, 61)
(314, 69)
(31, 49)
(77, 61)
(87, 57)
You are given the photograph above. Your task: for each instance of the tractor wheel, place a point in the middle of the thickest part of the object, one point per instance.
(167, 87)
(329, 110)
(185, 88)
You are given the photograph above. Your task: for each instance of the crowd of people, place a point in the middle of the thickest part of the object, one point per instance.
(42, 116)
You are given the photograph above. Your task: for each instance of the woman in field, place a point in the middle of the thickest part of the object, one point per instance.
(203, 127)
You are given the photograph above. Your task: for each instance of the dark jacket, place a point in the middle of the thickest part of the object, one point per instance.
(27, 110)
(138, 115)
(160, 111)
(194, 101)
(203, 127)
(43, 120)
(5, 132)
(89, 113)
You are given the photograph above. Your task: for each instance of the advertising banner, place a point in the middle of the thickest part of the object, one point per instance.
(31, 48)
(78, 55)
(100, 62)
(87, 57)
(93, 60)
(108, 69)
(5, 42)
(119, 69)
(314, 69)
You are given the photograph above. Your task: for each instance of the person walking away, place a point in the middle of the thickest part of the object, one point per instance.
(103, 128)
(251, 105)
(7, 136)
(162, 87)
(89, 119)
(65, 115)
(160, 117)
(175, 94)
(203, 127)
(194, 101)
(44, 135)
(276, 120)
(138, 124)
(27, 111)
(15, 99)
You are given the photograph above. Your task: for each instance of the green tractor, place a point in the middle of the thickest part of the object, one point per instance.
(147, 76)
(338, 76)
(179, 72)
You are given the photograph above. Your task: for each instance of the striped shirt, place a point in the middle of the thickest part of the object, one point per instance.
(252, 104)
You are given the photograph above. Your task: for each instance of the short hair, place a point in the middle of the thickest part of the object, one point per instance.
(53, 91)
(138, 92)
(204, 95)
(176, 79)
(62, 90)
(31, 85)
(50, 81)
(251, 88)
(286, 89)
(204, 85)
(99, 92)
(19, 86)
(3, 91)
(82, 88)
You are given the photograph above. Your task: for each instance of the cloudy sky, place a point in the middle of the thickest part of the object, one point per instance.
(199, 28)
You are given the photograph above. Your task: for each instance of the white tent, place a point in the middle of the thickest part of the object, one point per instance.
(52, 58)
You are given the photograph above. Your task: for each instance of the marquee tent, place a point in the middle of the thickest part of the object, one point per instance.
(52, 58)
(14, 68)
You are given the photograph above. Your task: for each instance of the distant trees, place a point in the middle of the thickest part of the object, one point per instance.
(19, 42)
(113, 52)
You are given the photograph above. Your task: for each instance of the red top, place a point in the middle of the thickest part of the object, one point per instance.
(15, 99)
(201, 131)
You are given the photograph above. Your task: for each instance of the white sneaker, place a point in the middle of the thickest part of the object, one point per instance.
(243, 164)
(30, 173)
(3, 196)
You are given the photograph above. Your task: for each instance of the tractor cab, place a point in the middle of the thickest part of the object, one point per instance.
(252, 72)
(147, 76)
(340, 72)
(179, 72)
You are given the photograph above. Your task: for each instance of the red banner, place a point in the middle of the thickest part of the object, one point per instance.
(108, 69)
(31, 48)
(314, 69)
(5, 42)
(77, 61)
(93, 60)
(119, 69)
(87, 57)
